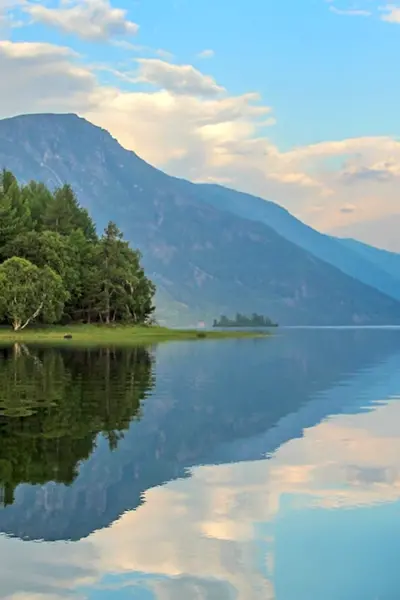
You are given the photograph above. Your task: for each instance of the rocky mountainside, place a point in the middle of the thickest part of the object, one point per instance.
(205, 259)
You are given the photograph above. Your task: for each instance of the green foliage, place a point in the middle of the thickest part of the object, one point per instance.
(122, 290)
(14, 213)
(56, 269)
(28, 292)
(243, 321)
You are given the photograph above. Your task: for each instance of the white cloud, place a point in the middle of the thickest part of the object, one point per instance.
(350, 12)
(8, 20)
(193, 128)
(141, 49)
(34, 51)
(178, 79)
(206, 54)
(9, 4)
(391, 13)
(94, 20)
(31, 68)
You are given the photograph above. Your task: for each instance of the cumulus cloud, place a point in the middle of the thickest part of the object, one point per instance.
(178, 79)
(379, 172)
(93, 20)
(31, 68)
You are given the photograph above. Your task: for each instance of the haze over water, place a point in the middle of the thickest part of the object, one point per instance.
(237, 469)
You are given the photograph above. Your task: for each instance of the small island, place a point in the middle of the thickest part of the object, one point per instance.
(240, 320)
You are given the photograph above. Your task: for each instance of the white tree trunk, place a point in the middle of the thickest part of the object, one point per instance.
(17, 323)
(35, 314)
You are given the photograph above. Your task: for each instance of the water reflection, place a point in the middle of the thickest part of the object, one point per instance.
(53, 404)
(188, 507)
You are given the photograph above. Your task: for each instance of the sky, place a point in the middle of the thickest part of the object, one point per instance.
(296, 101)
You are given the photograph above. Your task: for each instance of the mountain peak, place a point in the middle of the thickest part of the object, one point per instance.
(51, 138)
(51, 123)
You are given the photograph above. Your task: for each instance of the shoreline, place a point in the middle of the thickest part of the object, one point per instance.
(119, 335)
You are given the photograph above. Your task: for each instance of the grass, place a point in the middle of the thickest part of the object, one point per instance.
(103, 335)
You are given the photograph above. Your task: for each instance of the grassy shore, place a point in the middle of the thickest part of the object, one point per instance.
(102, 335)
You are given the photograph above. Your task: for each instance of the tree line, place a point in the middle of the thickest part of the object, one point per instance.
(55, 268)
(240, 320)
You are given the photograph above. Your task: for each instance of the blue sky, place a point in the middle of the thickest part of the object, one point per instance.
(310, 88)
(326, 75)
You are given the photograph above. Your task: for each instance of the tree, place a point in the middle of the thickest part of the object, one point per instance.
(112, 269)
(13, 212)
(85, 270)
(124, 292)
(103, 277)
(64, 215)
(38, 197)
(243, 321)
(27, 292)
(46, 248)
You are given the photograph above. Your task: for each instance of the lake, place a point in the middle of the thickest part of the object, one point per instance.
(236, 469)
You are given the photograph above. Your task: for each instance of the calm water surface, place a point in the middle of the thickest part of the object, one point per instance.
(217, 470)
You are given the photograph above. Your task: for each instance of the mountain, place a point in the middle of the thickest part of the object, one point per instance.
(383, 259)
(353, 258)
(205, 259)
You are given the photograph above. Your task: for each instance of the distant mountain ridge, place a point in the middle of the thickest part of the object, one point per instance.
(385, 260)
(210, 250)
(347, 257)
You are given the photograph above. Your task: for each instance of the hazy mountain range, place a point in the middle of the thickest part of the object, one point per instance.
(209, 249)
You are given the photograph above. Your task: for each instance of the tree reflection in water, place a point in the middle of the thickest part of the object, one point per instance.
(54, 403)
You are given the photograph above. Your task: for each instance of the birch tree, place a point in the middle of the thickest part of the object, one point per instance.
(28, 292)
